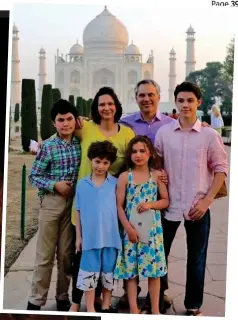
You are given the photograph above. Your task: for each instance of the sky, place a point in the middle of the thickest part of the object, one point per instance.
(57, 26)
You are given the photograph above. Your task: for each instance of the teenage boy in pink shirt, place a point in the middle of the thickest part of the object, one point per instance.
(196, 163)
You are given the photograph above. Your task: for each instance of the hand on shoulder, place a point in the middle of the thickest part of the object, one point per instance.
(160, 176)
(156, 173)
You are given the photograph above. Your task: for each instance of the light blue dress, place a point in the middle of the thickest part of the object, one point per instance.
(145, 260)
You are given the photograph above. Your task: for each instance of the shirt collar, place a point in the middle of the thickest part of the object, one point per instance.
(138, 116)
(73, 141)
(197, 125)
(108, 178)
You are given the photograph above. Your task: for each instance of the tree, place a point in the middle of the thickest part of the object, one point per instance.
(212, 84)
(71, 100)
(28, 113)
(85, 108)
(89, 102)
(79, 105)
(228, 65)
(56, 95)
(17, 113)
(46, 127)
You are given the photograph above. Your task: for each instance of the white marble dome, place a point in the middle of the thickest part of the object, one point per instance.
(105, 32)
(132, 49)
(76, 49)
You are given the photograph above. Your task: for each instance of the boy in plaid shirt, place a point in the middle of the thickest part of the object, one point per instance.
(54, 173)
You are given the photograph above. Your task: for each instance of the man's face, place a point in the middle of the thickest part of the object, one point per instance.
(147, 98)
(187, 104)
(100, 166)
(65, 124)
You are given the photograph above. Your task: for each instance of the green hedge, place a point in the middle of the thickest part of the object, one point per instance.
(28, 113)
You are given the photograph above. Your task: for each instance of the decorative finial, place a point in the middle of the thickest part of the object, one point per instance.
(77, 41)
(14, 28)
(105, 7)
(131, 41)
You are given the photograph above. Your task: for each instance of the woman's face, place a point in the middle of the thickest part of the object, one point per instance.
(106, 107)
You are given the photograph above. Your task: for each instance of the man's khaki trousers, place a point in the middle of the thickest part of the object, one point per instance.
(54, 238)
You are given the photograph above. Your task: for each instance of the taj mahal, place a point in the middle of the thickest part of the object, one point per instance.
(106, 58)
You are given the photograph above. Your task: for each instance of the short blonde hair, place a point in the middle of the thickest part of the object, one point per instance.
(216, 111)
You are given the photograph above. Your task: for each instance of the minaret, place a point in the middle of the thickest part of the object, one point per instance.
(190, 59)
(172, 74)
(41, 74)
(15, 80)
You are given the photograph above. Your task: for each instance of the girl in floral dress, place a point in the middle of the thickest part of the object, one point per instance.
(139, 187)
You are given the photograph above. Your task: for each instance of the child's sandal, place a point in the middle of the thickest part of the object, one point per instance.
(195, 313)
(145, 310)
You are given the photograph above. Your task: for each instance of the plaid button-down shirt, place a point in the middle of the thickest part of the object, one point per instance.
(57, 160)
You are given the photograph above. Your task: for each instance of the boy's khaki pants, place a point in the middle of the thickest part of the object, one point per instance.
(55, 237)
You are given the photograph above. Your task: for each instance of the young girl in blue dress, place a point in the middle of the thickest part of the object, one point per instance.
(139, 187)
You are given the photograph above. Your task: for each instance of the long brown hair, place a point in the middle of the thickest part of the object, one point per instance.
(155, 160)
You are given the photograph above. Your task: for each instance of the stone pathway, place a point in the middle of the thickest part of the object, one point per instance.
(17, 281)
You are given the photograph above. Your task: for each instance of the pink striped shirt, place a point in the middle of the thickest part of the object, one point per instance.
(190, 158)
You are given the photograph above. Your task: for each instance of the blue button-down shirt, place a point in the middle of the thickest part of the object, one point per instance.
(98, 213)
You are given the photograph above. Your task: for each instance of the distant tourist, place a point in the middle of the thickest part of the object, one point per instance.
(216, 119)
(174, 114)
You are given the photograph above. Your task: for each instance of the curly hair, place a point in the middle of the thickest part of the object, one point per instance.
(101, 150)
(94, 106)
(155, 160)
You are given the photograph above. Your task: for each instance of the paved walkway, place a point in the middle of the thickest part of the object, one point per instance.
(17, 281)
